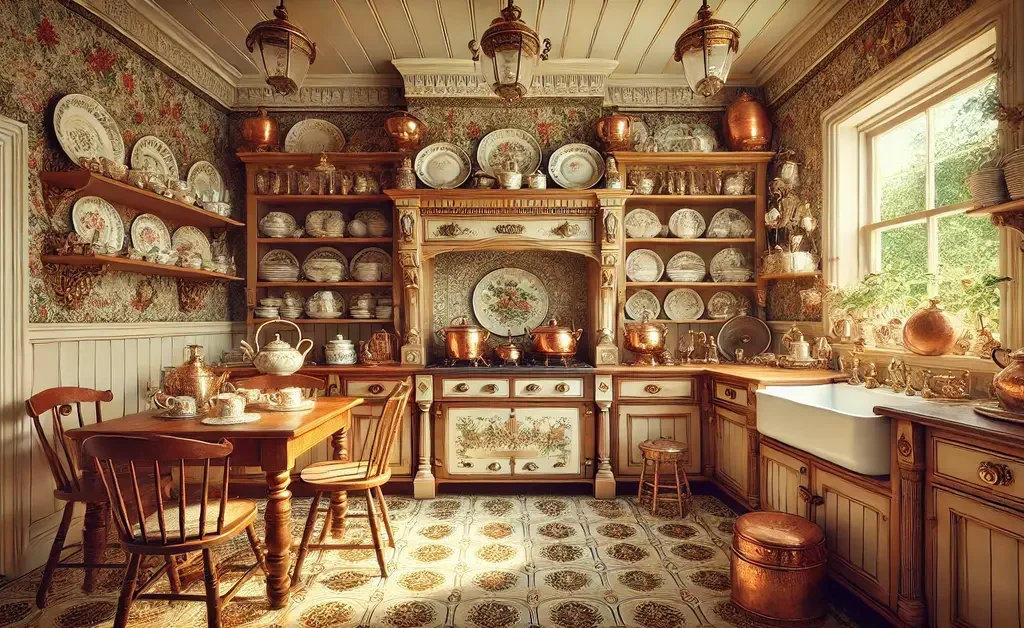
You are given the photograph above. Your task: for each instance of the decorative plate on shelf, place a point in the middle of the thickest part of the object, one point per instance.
(204, 179)
(314, 136)
(686, 223)
(499, 147)
(325, 223)
(642, 223)
(730, 223)
(85, 129)
(576, 167)
(744, 332)
(192, 239)
(279, 265)
(278, 225)
(376, 224)
(644, 265)
(641, 301)
(152, 155)
(510, 298)
(336, 264)
(638, 133)
(686, 266)
(443, 166)
(683, 304)
(731, 265)
(726, 304)
(686, 138)
(93, 215)
(374, 254)
(149, 231)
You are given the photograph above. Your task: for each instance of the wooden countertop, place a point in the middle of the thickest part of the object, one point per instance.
(959, 417)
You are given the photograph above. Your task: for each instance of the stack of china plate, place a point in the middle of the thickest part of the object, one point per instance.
(987, 187)
(1013, 170)
(383, 312)
(363, 306)
(686, 266)
(366, 271)
(730, 265)
(292, 306)
(323, 270)
(324, 223)
(290, 311)
(279, 265)
(269, 307)
(325, 304)
(278, 225)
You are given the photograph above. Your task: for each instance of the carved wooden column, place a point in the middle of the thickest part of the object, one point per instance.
(408, 210)
(604, 479)
(611, 240)
(707, 440)
(423, 484)
(753, 450)
(910, 458)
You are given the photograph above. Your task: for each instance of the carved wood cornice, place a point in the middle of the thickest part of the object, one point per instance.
(500, 210)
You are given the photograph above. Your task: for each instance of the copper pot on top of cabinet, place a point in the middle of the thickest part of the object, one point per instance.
(555, 340)
(1008, 384)
(260, 133)
(464, 341)
(614, 130)
(746, 125)
(406, 131)
(930, 330)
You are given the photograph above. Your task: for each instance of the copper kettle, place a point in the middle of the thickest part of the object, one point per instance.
(1008, 384)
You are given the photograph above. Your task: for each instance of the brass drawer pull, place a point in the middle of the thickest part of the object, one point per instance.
(995, 474)
(375, 389)
(461, 387)
(465, 465)
(809, 497)
(603, 386)
(532, 388)
(730, 394)
(490, 388)
(530, 466)
(562, 387)
(494, 466)
(652, 389)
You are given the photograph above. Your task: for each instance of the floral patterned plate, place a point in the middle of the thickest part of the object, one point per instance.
(443, 166)
(730, 265)
(730, 223)
(641, 301)
(510, 298)
(314, 136)
(686, 223)
(192, 239)
(149, 231)
(85, 129)
(499, 147)
(683, 304)
(206, 181)
(642, 223)
(152, 155)
(92, 215)
(374, 254)
(727, 304)
(644, 265)
(576, 167)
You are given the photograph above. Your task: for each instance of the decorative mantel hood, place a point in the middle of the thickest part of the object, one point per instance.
(447, 78)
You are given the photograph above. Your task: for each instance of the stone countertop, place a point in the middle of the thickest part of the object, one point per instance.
(956, 416)
(764, 375)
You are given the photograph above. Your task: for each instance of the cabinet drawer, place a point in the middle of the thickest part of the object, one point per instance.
(730, 394)
(656, 389)
(475, 387)
(979, 467)
(548, 388)
(371, 388)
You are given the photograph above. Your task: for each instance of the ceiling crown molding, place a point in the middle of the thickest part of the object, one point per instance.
(652, 92)
(324, 91)
(462, 78)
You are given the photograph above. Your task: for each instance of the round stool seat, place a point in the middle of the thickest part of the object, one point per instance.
(663, 450)
(779, 567)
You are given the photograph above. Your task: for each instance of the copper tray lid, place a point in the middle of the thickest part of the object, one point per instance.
(779, 540)
(744, 332)
(463, 324)
(553, 328)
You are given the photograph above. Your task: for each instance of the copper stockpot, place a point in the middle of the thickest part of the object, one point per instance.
(406, 131)
(746, 125)
(613, 131)
(779, 567)
(1008, 384)
(260, 133)
(930, 331)
(554, 340)
(464, 340)
(645, 339)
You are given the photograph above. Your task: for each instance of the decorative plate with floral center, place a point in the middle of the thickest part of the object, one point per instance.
(510, 298)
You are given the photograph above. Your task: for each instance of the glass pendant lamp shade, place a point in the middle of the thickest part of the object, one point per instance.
(512, 50)
(282, 50)
(706, 49)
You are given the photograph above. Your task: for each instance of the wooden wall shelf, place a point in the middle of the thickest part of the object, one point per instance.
(139, 267)
(689, 241)
(800, 275)
(693, 159)
(323, 284)
(690, 284)
(85, 182)
(693, 199)
(312, 240)
(326, 321)
(321, 199)
(312, 159)
(1009, 214)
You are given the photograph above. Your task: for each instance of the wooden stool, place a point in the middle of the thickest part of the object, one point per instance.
(779, 567)
(657, 453)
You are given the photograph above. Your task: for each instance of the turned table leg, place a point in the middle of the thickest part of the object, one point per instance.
(339, 499)
(279, 537)
(94, 530)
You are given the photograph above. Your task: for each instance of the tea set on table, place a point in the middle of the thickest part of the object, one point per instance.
(229, 408)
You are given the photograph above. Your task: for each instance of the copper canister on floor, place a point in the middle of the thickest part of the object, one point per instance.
(779, 567)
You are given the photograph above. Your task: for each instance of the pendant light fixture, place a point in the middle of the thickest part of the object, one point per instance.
(706, 49)
(282, 50)
(512, 49)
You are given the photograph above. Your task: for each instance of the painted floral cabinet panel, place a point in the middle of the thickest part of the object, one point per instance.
(506, 441)
(510, 228)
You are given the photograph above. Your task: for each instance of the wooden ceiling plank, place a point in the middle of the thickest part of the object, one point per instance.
(613, 27)
(393, 22)
(360, 20)
(425, 18)
(191, 19)
(754, 51)
(651, 19)
(458, 24)
(553, 24)
(662, 46)
(581, 26)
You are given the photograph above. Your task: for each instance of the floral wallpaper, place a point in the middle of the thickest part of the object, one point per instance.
(49, 51)
(889, 33)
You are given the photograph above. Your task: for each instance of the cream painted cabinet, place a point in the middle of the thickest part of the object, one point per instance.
(731, 445)
(785, 481)
(979, 563)
(857, 523)
(638, 422)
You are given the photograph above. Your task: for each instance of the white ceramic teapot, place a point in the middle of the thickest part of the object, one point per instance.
(277, 357)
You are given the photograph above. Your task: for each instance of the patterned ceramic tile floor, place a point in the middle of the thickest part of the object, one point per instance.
(467, 562)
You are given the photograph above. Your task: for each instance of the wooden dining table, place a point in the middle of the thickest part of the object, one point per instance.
(271, 443)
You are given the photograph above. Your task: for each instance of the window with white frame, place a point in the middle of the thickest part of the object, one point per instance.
(913, 230)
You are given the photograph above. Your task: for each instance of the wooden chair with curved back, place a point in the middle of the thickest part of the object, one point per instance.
(367, 474)
(60, 402)
(200, 524)
(277, 382)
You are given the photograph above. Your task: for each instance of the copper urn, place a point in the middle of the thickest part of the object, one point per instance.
(406, 130)
(779, 567)
(645, 339)
(260, 133)
(614, 131)
(1008, 384)
(930, 330)
(746, 125)
(193, 378)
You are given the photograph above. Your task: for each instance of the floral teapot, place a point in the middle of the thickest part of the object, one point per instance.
(277, 357)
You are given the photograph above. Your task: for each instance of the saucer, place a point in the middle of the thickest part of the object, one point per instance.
(247, 417)
(167, 415)
(307, 404)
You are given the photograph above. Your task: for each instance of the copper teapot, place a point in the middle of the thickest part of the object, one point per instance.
(193, 378)
(1008, 384)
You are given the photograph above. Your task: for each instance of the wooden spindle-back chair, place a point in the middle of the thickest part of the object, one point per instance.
(277, 382)
(200, 524)
(63, 463)
(367, 474)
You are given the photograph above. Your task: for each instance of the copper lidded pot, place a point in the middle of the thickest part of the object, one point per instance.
(930, 330)
(614, 131)
(555, 340)
(406, 130)
(463, 340)
(645, 339)
(1008, 384)
(746, 125)
(509, 352)
(260, 133)
(193, 378)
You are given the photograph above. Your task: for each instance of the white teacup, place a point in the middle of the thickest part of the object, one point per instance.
(251, 395)
(228, 404)
(181, 405)
(290, 397)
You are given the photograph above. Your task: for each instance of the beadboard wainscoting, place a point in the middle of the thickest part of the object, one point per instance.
(125, 358)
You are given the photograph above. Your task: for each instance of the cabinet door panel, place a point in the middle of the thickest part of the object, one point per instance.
(365, 418)
(637, 423)
(856, 522)
(782, 477)
(476, 441)
(547, 441)
(732, 461)
(979, 564)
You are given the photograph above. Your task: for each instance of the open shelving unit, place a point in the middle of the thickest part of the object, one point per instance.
(139, 267)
